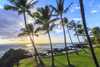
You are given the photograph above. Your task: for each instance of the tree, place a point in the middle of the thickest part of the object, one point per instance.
(23, 7)
(95, 32)
(44, 19)
(60, 11)
(75, 26)
(85, 28)
(67, 25)
(81, 32)
(32, 33)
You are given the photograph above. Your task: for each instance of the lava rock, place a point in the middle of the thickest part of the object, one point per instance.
(13, 56)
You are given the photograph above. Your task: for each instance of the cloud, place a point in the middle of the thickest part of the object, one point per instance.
(72, 10)
(10, 24)
(94, 11)
(77, 7)
(78, 19)
(1, 7)
(58, 30)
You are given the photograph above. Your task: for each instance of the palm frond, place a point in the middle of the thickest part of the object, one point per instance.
(22, 34)
(39, 29)
(20, 12)
(54, 8)
(51, 27)
(8, 7)
(36, 14)
(53, 20)
(32, 4)
(68, 7)
(30, 28)
(38, 21)
(65, 20)
(29, 13)
(15, 3)
(79, 26)
(36, 35)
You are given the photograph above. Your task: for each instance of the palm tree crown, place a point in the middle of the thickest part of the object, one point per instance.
(44, 18)
(60, 7)
(30, 29)
(20, 6)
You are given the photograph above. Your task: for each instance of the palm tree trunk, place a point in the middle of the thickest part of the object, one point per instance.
(80, 42)
(31, 39)
(65, 40)
(71, 40)
(35, 47)
(51, 49)
(85, 28)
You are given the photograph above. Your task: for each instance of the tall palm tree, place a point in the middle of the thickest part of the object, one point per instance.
(85, 28)
(22, 7)
(75, 26)
(66, 23)
(44, 19)
(60, 11)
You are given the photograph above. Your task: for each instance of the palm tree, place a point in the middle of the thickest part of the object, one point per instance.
(22, 7)
(95, 32)
(60, 11)
(80, 32)
(66, 23)
(32, 33)
(44, 19)
(85, 28)
(75, 26)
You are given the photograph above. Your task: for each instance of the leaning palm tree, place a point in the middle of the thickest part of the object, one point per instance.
(32, 33)
(67, 25)
(60, 11)
(85, 28)
(22, 7)
(75, 26)
(80, 32)
(44, 19)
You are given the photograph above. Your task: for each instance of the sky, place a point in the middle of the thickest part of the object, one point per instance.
(11, 22)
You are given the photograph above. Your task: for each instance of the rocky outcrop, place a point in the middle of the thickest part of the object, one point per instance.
(13, 56)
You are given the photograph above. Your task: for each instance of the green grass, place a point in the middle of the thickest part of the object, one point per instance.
(81, 60)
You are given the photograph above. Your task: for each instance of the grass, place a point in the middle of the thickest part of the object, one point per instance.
(81, 60)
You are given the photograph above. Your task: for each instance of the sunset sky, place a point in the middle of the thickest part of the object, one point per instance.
(11, 22)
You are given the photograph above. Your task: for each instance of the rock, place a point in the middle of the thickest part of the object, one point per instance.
(13, 56)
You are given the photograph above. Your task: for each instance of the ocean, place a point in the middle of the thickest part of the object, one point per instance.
(42, 48)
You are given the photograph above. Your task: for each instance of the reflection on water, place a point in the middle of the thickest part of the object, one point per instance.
(42, 48)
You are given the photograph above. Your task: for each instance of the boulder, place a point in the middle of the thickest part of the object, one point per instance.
(13, 56)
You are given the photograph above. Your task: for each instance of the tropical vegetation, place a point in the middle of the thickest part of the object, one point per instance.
(46, 17)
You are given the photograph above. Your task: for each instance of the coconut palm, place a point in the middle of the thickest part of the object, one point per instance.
(81, 32)
(75, 26)
(60, 11)
(44, 19)
(67, 25)
(95, 32)
(22, 7)
(87, 35)
(32, 33)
